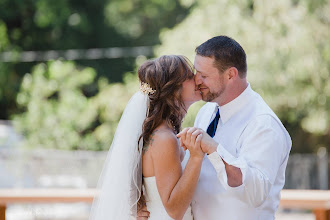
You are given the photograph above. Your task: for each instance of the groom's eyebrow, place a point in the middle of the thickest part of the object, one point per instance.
(196, 70)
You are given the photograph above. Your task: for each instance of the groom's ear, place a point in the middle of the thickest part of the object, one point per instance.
(232, 73)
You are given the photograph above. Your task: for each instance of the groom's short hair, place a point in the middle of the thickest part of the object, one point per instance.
(226, 53)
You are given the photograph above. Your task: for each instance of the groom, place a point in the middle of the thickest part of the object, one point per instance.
(247, 146)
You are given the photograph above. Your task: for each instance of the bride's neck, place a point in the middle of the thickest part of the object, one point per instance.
(185, 109)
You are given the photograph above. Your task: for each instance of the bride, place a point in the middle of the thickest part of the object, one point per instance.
(143, 167)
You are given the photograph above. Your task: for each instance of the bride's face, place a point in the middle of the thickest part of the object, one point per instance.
(190, 92)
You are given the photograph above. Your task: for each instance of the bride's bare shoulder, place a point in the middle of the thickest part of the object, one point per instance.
(162, 148)
(162, 137)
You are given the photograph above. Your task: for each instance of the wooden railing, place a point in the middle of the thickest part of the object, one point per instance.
(12, 196)
(316, 200)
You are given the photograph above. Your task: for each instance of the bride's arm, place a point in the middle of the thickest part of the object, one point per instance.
(176, 189)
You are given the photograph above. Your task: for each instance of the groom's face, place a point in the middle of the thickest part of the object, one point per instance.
(208, 79)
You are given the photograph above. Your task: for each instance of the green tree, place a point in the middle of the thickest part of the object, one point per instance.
(59, 114)
(44, 25)
(288, 52)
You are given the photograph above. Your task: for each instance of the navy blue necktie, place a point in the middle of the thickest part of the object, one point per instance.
(213, 125)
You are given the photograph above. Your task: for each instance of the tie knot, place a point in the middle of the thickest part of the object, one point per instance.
(218, 114)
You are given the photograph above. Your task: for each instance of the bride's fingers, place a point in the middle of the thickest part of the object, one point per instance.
(194, 135)
(188, 135)
(199, 139)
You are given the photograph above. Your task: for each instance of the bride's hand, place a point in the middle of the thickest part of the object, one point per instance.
(190, 138)
(208, 144)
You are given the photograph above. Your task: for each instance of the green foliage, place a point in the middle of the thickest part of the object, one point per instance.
(45, 25)
(288, 50)
(69, 107)
(189, 119)
(59, 115)
(3, 36)
(139, 19)
(5, 90)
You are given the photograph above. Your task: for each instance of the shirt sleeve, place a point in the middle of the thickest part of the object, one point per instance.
(263, 149)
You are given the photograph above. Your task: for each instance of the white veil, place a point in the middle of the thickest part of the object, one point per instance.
(120, 182)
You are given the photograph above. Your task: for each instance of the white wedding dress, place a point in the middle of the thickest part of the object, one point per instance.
(154, 202)
(121, 178)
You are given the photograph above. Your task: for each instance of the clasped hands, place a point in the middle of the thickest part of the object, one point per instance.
(197, 141)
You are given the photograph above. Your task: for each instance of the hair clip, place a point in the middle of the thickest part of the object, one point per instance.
(146, 89)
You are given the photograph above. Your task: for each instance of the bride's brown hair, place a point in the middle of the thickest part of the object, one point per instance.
(165, 75)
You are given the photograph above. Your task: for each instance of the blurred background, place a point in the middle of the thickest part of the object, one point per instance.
(68, 69)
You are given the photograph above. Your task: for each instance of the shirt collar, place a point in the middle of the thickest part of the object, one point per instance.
(232, 107)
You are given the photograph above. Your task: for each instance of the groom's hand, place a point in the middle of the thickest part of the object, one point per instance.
(143, 214)
(190, 138)
(208, 144)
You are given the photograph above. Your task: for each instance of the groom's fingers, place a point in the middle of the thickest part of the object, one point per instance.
(142, 217)
(183, 136)
(143, 214)
(183, 132)
(182, 144)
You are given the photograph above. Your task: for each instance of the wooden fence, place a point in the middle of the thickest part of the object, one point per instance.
(316, 200)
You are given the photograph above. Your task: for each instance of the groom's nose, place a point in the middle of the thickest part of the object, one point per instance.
(198, 79)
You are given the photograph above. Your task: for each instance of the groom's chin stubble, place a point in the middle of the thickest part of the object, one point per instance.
(207, 97)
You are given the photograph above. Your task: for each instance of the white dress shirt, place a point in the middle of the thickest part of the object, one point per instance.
(252, 138)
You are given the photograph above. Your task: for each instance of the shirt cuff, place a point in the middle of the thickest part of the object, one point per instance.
(216, 161)
(231, 160)
(225, 155)
(219, 167)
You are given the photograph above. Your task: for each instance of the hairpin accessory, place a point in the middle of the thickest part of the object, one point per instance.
(146, 89)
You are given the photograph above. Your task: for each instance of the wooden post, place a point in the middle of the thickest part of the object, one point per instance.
(321, 214)
(322, 160)
(2, 212)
